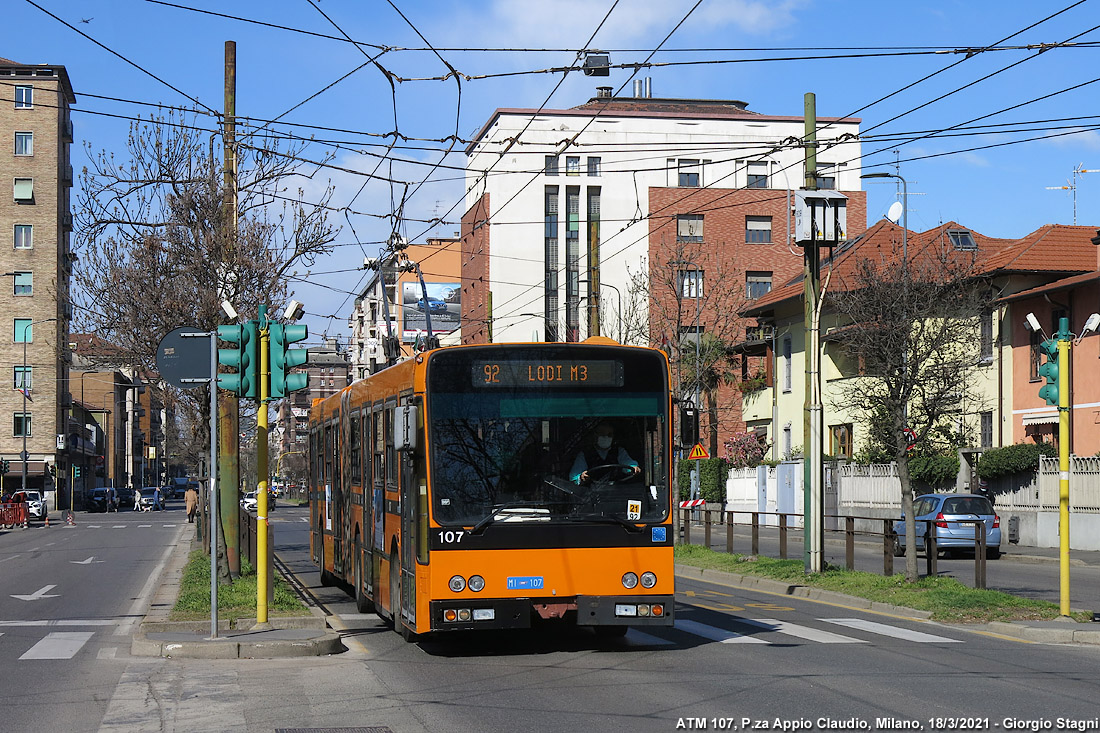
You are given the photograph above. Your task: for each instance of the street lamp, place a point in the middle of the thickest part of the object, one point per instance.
(25, 389)
(904, 211)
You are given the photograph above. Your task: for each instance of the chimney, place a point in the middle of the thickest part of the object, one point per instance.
(649, 87)
(603, 92)
(637, 88)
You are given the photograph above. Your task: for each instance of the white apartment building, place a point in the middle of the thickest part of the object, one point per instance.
(561, 202)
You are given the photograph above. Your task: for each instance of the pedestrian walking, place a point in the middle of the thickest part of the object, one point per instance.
(137, 499)
(192, 498)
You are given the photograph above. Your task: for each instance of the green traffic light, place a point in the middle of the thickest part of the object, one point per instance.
(243, 358)
(1049, 370)
(284, 359)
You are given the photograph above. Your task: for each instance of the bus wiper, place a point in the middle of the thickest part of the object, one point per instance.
(606, 519)
(498, 508)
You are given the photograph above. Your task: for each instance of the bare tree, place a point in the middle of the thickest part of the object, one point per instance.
(154, 242)
(911, 332)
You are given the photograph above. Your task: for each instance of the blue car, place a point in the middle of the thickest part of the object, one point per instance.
(946, 513)
(435, 305)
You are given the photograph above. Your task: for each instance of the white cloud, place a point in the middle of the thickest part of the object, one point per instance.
(1081, 139)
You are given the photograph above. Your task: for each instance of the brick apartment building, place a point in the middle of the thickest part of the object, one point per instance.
(35, 176)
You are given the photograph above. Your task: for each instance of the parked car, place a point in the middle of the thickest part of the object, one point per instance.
(149, 499)
(36, 505)
(168, 491)
(125, 497)
(100, 499)
(946, 513)
(249, 502)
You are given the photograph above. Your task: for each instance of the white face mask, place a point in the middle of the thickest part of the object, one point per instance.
(603, 442)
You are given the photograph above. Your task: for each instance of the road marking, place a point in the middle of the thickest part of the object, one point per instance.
(9, 558)
(715, 634)
(896, 632)
(170, 525)
(58, 645)
(43, 592)
(641, 637)
(140, 526)
(87, 561)
(107, 652)
(64, 622)
(802, 632)
(141, 603)
(118, 526)
(98, 526)
(304, 519)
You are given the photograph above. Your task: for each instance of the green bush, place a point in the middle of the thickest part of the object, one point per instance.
(1013, 459)
(934, 470)
(712, 479)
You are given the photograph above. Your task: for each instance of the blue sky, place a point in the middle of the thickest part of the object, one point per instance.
(999, 191)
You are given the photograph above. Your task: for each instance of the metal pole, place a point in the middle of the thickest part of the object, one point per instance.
(698, 339)
(24, 456)
(213, 486)
(1063, 464)
(262, 550)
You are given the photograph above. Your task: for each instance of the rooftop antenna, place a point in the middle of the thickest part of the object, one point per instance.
(1078, 171)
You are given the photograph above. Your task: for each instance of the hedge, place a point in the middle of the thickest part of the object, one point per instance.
(712, 479)
(1012, 459)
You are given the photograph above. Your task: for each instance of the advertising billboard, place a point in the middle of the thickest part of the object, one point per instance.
(443, 304)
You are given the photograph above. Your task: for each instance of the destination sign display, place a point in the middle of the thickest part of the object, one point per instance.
(548, 373)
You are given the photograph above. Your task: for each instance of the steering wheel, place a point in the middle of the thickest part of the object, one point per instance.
(626, 468)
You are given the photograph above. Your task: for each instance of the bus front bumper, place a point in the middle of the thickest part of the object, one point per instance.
(520, 613)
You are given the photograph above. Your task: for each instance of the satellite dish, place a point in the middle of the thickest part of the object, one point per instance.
(894, 212)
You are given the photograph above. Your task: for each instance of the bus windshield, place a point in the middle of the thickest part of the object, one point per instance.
(511, 443)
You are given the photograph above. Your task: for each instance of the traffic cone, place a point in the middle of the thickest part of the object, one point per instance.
(47, 520)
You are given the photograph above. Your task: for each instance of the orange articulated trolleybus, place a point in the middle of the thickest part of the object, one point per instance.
(444, 489)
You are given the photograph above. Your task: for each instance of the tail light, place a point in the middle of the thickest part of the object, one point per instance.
(996, 521)
(940, 521)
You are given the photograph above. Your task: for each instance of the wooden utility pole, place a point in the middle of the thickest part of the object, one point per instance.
(229, 467)
(813, 491)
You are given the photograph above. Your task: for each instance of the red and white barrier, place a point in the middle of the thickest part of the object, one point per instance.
(692, 503)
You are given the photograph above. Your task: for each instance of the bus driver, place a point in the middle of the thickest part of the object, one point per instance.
(606, 459)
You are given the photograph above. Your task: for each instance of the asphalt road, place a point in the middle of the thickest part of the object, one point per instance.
(734, 658)
(72, 596)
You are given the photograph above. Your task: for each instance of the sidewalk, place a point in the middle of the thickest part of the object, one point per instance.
(300, 636)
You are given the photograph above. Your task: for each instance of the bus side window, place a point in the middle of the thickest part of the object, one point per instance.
(379, 446)
(356, 449)
(391, 454)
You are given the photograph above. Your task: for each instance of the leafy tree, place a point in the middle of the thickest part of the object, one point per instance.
(913, 329)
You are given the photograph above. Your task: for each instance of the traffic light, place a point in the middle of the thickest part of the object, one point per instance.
(283, 358)
(244, 358)
(1049, 370)
(689, 425)
(5, 466)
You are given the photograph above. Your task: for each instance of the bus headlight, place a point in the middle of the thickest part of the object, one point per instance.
(457, 583)
(477, 583)
(648, 580)
(630, 581)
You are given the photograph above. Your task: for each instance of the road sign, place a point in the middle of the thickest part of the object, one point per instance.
(698, 452)
(181, 361)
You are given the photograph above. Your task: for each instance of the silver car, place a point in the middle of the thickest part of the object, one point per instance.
(952, 517)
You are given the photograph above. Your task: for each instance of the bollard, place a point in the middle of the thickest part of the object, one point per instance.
(930, 550)
(686, 525)
(756, 533)
(979, 555)
(887, 547)
(782, 536)
(706, 528)
(850, 543)
(729, 532)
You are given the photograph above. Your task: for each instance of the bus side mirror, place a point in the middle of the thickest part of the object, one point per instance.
(404, 428)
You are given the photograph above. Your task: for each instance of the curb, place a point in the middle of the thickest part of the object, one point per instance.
(1050, 632)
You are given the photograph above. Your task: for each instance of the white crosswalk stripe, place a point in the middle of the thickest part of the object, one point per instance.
(713, 633)
(58, 645)
(802, 632)
(893, 631)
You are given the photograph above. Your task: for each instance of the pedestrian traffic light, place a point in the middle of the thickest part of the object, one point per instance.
(243, 358)
(1049, 370)
(283, 358)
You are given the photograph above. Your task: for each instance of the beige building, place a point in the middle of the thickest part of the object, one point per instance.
(35, 179)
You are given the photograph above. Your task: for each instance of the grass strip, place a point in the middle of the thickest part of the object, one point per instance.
(946, 598)
(237, 599)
